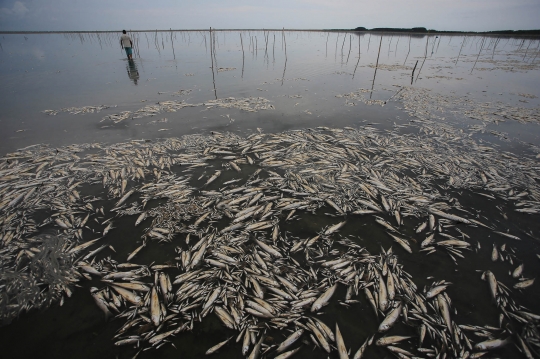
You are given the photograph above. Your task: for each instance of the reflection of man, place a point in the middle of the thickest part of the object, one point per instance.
(127, 44)
(133, 73)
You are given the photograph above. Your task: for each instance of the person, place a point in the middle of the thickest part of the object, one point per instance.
(127, 44)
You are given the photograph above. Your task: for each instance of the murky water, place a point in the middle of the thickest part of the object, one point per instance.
(485, 89)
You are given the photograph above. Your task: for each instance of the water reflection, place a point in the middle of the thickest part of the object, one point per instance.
(132, 71)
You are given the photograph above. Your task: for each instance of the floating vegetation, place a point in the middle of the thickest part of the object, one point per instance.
(234, 260)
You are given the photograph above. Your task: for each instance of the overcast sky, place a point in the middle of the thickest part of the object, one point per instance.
(474, 15)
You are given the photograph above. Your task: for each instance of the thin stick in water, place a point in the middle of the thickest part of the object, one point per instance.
(376, 66)
(481, 45)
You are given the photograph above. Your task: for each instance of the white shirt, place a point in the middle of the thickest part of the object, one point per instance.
(126, 41)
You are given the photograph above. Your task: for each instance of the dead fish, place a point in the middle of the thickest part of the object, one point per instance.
(421, 227)
(342, 350)
(492, 284)
(155, 308)
(140, 219)
(492, 344)
(216, 347)
(360, 352)
(291, 339)
(124, 198)
(213, 178)
(524, 284)
(288, 354)
(494, 254)
(391, 340)
(334, 228)
(517, 272)
(137, 250)
(324, 298)
(390, 319)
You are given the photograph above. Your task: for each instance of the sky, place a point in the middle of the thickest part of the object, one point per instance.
(81, 15)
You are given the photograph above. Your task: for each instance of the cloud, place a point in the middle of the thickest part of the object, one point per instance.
(18, 9)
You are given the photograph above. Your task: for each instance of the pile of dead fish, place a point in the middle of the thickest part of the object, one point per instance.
(77, 110)
(233, 259)
(249, 104)
(426, 104)
(352, 98)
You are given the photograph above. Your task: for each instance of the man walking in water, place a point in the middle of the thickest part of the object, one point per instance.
(127, 44)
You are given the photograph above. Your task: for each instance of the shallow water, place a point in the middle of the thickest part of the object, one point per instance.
(54, 71)
(300, 73)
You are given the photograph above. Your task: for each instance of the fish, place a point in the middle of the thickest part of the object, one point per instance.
(216, 347)
(83, 246)
(155, 308)
(256, 349)
(390, 319)
(371, 301)
(518, 271)
(324, 298)
(102, 305)
(268, 249)
(390, 287)
(382, 295)
(448, 216)
(127, 295)
(342, 350)
(445, 311)
(133, 286)
(225, 317)
(360, 352)
(141, 218)
(391, 340)
(235, 166)
(127, 341)
(201, 219)
(334, 228)
(290, 340)
(508, 235)
(402, 242)
(494, 254)
(492, 344)
(320, 337)
(213, 178)
(288, 354)
(245, 343)
(426, 242)
(197, 257)
(492, 284)
(137, 250)
(435, 290)
(524, 284)
(124, 198)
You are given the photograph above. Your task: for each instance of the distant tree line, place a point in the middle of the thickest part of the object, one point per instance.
(424, 30)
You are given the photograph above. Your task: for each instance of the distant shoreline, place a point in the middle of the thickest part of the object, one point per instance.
(423, 30)
(404, 31)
